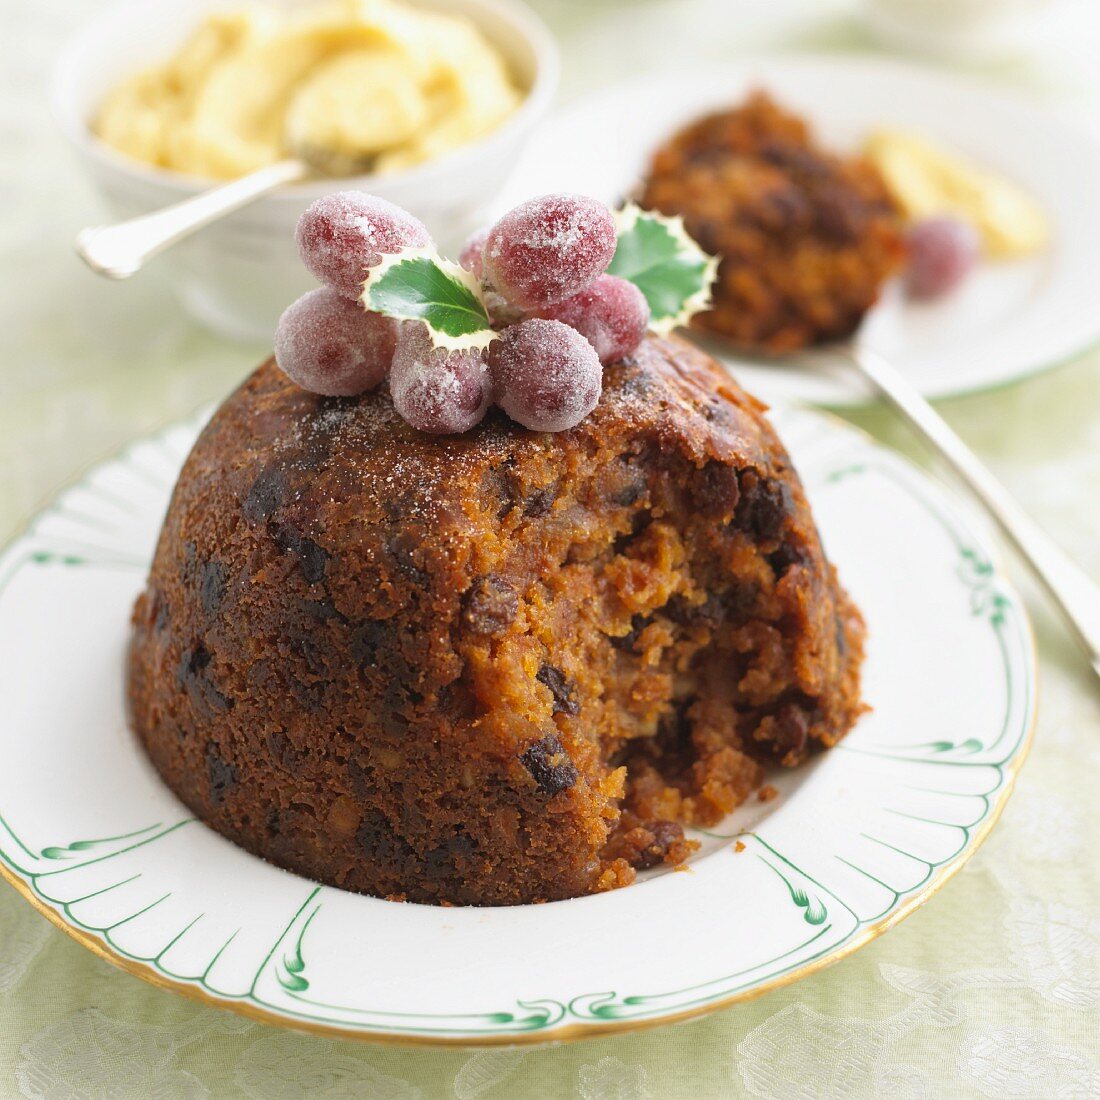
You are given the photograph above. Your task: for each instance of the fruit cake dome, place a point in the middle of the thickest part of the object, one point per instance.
(496, 629)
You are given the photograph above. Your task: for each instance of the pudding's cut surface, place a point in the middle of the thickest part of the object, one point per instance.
(493, 668)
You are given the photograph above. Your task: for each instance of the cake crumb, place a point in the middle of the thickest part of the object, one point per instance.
(739, 846)
(767, 793)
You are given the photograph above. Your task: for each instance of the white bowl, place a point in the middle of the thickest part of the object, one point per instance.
(238, 274)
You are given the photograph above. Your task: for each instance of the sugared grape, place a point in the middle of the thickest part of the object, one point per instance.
(330, 345)
(942, 251)
(548, 248)
(546, 375)
(470, 256)
(436, 390)
(343, 235)
(611, 314)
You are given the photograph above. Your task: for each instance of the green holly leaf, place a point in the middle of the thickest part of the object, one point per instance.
(656, 254)
(417, 284)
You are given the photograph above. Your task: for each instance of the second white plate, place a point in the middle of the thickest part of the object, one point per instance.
(1008, 320)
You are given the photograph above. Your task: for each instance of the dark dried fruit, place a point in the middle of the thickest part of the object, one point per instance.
(717, 608)
(625, 644)
(633, 486)
(378, 841)
(763, 508)
(193, 676)
(549, 765)
(369, 640)
(265, 496)
(213, 582)
(787, 555)
(311, 557)
(282, 750)
(540, 502)
(791, 731)
(665, 834)
(490, 605)
(323, 610)
(222, 776)
(441, 860)
(629, 494)
(561, 688)
(716, 490)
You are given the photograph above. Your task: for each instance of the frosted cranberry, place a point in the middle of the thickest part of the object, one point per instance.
(436, 390)
(548, 248)
(343, 235)
(333, 346)
(942, 252)
(470, 257)
(546, 376)
(612, 314)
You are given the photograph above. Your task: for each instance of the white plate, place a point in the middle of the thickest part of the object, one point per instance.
(1008, 320)
(854, 841)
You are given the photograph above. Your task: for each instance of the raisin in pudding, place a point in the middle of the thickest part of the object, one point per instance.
(806, 238)
(495, 666)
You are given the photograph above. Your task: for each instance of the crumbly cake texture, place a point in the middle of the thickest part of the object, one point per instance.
(806, 238)
(494, 668)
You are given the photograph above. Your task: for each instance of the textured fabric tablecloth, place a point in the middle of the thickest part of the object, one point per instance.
(992, 989)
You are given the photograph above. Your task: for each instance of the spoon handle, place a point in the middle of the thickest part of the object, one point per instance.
(1075, 593)
(120, 250)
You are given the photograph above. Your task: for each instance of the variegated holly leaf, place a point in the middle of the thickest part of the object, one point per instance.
(417, 284)
(658, 256)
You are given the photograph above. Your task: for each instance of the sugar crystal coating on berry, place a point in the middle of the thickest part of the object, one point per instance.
(343, 235)
(546, 375)
(942, 251)
(434, 389)
(470, 257)
(330, 345)
(612, 314)
(548, 248)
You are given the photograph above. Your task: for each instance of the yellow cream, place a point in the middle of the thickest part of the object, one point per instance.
(926, 181)
(372, 85)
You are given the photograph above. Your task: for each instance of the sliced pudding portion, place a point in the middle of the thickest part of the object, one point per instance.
(493, 668)
(807, 238)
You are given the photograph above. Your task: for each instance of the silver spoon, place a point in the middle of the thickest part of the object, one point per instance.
(1072, 590)
(121, 249)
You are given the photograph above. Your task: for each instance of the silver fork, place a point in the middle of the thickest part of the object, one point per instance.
(1073, 591)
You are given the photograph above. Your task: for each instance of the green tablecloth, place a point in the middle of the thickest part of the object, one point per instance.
(992, 989)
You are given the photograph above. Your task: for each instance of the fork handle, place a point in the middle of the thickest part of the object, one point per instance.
(120, 250)
(1075, 593)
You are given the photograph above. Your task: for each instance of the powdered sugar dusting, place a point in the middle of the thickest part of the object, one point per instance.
(612, 314)
(342, 235)
(547, 375)
(548, 248)
(436, 390)
(332, 346)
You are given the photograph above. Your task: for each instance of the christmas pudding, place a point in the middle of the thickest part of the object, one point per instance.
(503, 659)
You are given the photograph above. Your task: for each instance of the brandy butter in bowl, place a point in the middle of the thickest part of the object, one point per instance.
(164, 101)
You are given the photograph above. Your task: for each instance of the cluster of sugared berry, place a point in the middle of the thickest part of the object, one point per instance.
(558, 319)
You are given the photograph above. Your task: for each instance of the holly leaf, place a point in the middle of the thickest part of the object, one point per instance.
(417, 284)
(656, 254)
